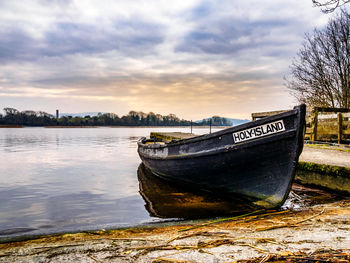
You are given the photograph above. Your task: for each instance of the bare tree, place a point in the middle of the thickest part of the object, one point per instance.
(320, 74)
(329, 6)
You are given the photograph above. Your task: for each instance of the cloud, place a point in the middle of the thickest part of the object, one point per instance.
(228, 28)
(130, 38)
(16, 45)
(231, 36)
(165, 56)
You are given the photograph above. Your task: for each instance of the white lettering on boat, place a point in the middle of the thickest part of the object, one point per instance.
(259, 131)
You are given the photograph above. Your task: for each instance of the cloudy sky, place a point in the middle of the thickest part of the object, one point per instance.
(194, 58)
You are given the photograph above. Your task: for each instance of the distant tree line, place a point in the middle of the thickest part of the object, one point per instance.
(39, 118)
(28, 118)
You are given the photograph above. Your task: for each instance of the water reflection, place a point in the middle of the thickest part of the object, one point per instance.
(168, 200)
(26, 211)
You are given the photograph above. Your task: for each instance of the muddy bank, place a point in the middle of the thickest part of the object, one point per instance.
(322, 228)
(11, 126)
(334, 178)
(326, 166)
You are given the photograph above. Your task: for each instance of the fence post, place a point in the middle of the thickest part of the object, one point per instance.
(314, 132)
(340, 127)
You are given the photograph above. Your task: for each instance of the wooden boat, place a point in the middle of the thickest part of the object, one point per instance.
(255, 161)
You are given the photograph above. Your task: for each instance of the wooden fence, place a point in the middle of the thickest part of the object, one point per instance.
(322, 124)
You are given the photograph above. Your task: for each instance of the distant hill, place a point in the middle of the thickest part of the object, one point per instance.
(235, 122)
(222, 121)
(81, 114)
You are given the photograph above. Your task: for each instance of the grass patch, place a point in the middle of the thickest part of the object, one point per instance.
(324, 169)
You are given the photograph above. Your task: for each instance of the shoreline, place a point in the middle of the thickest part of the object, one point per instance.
(11, 126)
(276, 233)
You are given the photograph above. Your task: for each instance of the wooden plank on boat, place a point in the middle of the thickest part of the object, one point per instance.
(169, 136)
(259, 115)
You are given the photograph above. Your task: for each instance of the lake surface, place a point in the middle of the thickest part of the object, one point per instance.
(71, 179)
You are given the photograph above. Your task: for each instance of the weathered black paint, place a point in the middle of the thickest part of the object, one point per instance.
(260, 170)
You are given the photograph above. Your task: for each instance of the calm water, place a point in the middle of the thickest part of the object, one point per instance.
(54, 180)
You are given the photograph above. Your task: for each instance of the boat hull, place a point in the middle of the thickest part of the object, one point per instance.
(260, 169)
